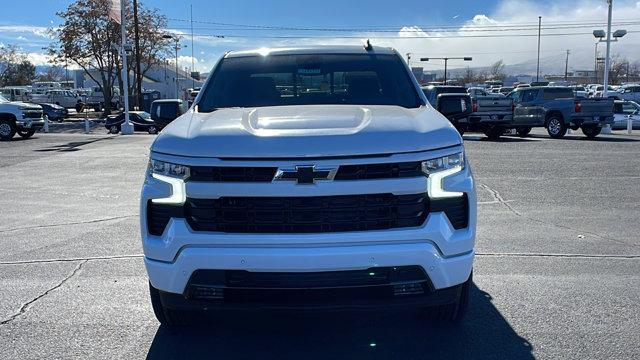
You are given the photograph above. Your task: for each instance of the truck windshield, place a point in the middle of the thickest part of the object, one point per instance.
(275, 80)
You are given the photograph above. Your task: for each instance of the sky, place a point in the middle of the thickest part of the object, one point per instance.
(422, 28)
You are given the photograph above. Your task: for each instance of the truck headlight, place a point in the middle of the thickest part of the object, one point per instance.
(173, 174)
(168, 169)
(438, 169)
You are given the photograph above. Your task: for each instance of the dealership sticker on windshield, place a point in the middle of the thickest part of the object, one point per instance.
(309, 71)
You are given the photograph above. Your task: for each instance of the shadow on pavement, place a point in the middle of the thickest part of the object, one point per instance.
(394, 335)
(71, 146)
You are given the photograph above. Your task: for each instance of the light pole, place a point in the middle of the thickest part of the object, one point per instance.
(566, 67)
(600, 34)
(127, 127)
(446, 60)
(595, 63)
(538, 65)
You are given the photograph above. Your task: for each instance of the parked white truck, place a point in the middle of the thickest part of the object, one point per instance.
(309, 178)
(65, 98)
(18, 117)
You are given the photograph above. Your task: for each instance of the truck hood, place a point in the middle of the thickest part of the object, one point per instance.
(22, 105)
(306, 131)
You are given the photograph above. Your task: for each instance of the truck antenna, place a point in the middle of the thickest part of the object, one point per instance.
(368, 46)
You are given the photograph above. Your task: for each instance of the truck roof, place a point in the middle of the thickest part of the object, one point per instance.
(541, 87)
(333, 49)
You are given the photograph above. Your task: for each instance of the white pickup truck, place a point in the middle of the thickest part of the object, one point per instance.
(309, 178)
(65, 98)
(19, 117)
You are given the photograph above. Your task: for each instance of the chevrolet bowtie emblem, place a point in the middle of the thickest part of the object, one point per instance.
(305, 174)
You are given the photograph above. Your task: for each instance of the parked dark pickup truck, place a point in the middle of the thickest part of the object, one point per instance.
(556, 109)
(489, 114)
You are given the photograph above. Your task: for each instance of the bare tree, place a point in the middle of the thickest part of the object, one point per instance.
(468, 76)
(87, 38)
(496, 70)
(53, 73)
(618, 69)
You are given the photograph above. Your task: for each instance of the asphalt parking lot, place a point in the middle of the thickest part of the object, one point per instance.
(557, 273)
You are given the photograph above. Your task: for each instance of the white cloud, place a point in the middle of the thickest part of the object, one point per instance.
(516, 13)
(521, 16)
(38, 31)
(38, 58)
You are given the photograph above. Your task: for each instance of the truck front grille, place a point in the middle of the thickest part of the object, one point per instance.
(345, 172)
(32, 114)
(307, 214)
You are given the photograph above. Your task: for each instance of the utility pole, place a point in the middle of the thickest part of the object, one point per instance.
(177, 83)
(137, 44)
(566, 66)
(177, 41)
(193, 81)
(538, 66)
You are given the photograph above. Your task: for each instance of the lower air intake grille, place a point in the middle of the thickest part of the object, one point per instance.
(158, 216)
(456, 209)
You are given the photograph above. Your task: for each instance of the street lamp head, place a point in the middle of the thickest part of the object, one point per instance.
(167, 36)
(619, 33)
(424, 59)
(599, 33)
(468, 58)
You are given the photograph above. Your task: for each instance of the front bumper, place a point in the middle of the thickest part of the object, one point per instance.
(443, 272)
(29, 124)
(443, 252)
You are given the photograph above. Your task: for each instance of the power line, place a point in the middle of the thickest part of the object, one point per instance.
(426, 36)
(414, 30)
(351, 28)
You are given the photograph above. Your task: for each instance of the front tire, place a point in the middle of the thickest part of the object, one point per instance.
(591, 131)
(7, 130)
(26, 134)
(114, 129)
(556, 127)
(524, 132)
(152, 130)
(493, 133)
(456, 311)
(168, 317)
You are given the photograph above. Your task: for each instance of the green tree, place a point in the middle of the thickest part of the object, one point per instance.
(20, 74)
(15, 69)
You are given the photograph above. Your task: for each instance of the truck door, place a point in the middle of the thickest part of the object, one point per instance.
(527, 112)
(518, 110)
